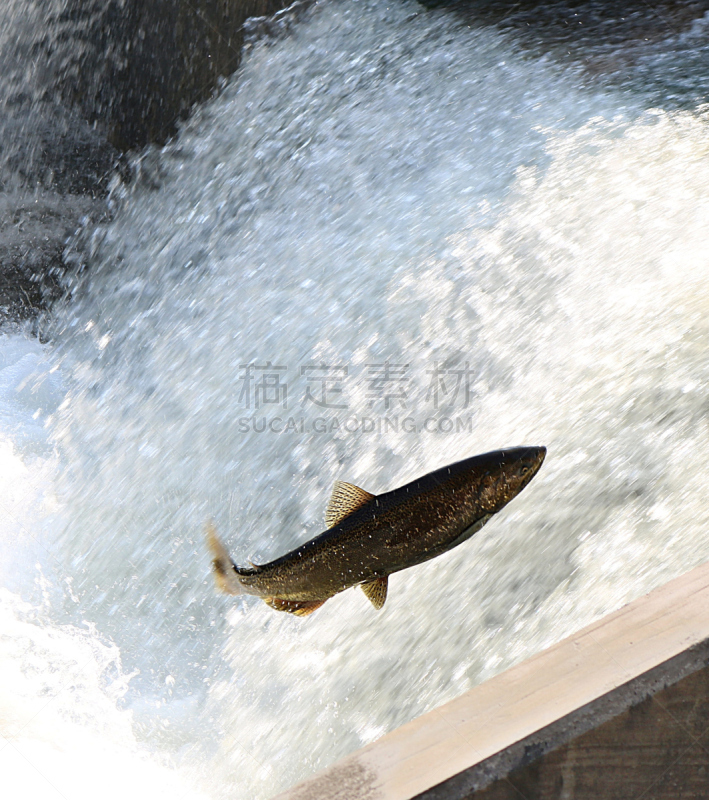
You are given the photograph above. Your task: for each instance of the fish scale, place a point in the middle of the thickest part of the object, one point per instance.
(370, 537)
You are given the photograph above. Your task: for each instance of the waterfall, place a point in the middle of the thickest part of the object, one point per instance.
(395, 239)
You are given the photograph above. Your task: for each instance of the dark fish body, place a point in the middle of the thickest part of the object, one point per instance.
(371, 537)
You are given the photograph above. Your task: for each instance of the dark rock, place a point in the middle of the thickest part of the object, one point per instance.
(135, 69)
(83, 82)
(600, 35)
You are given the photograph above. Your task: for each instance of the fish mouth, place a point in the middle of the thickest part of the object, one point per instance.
(529, 463)
(538, 455)
(519, 466)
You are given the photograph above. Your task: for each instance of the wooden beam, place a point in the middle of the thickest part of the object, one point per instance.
(536, 706)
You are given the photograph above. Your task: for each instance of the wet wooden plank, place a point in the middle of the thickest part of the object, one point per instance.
(656, 750)
(533, 708)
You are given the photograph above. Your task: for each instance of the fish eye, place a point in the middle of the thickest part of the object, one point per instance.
(523, 470)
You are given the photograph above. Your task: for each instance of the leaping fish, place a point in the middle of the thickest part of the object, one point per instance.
(369, 537)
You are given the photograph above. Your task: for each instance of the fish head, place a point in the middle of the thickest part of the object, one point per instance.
(503, 474)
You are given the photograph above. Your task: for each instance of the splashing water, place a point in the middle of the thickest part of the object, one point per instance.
(378, 185)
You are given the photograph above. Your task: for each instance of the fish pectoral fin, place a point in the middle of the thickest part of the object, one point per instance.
(376, 591)
(345, 499)
(301, 608)
(222, 565)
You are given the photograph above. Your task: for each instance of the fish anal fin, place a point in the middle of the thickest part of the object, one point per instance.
(346, 498)
(376, 591)
(301, 608)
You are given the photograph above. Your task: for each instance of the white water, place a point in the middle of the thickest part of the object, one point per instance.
(374, 186)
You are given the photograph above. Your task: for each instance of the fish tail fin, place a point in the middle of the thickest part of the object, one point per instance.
(225, 575)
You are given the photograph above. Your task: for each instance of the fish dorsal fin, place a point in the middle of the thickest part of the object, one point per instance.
(376, 591)
(301, 608)
(346, 498)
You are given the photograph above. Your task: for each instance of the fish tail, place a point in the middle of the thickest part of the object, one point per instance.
(225, 574)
